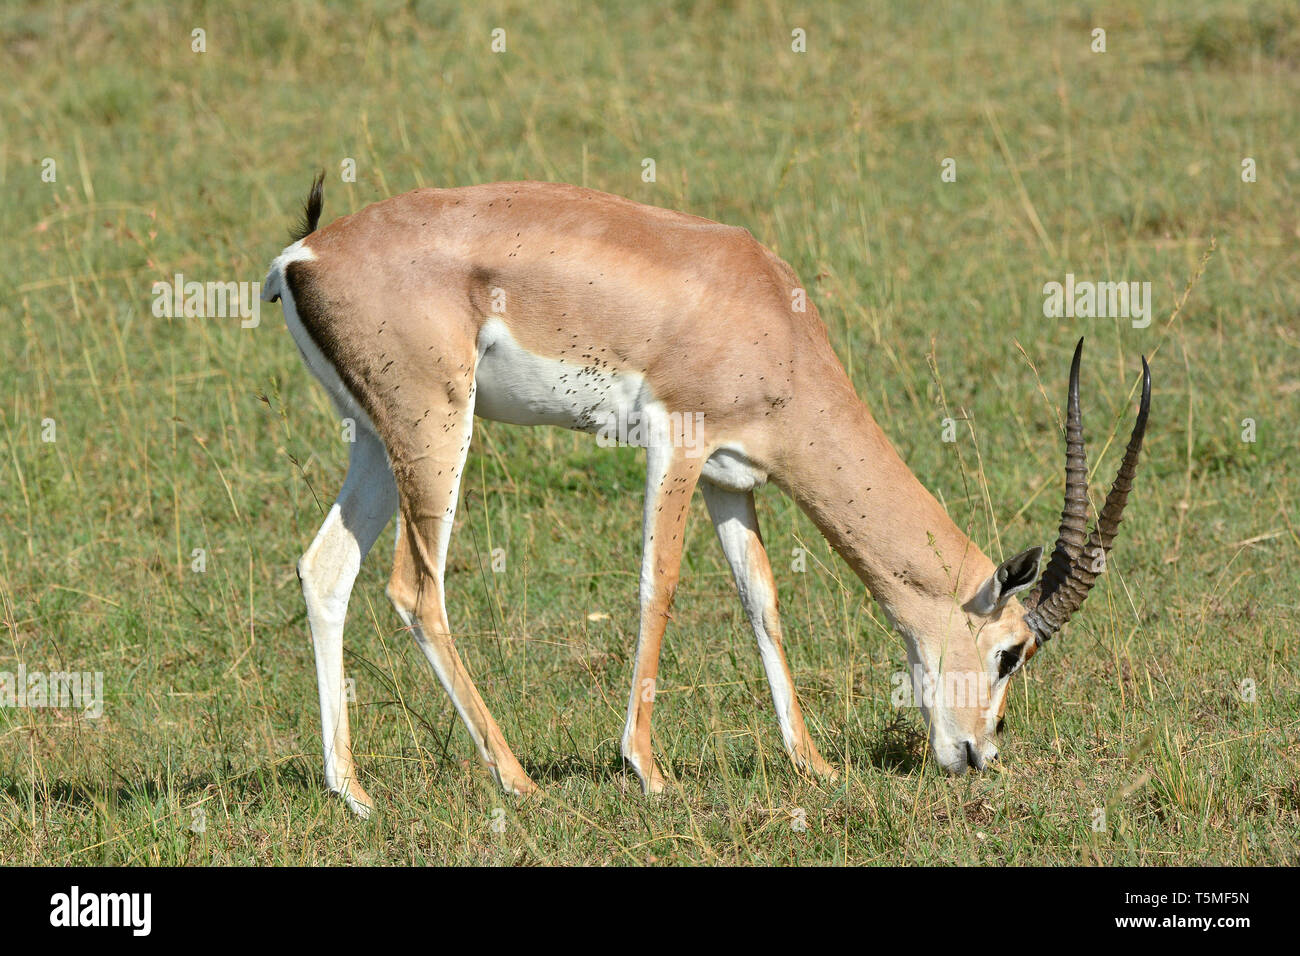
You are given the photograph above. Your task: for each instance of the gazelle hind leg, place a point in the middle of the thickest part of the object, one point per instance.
(327, 571)
(736, 522)
(671, 476)
(428, 486)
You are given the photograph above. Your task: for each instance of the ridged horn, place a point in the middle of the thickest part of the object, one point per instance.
(1053, 607)
(1073, 531)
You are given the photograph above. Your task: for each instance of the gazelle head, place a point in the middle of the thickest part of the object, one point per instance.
(962, 678)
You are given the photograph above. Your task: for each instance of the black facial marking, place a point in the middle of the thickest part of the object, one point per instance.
(1009, 659)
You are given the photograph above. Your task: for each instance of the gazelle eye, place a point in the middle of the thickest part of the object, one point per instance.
(1008, 660)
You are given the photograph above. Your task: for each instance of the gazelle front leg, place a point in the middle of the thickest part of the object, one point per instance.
(328, 571)
(671, 476)
(736, 522)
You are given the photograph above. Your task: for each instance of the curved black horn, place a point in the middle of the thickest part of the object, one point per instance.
(1073, 531)
(1054, 609)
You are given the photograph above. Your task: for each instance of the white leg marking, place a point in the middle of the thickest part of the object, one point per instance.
(736, 522)
(658, 459)
(328, 570)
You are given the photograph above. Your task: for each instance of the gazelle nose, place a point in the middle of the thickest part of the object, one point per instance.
(972, 759)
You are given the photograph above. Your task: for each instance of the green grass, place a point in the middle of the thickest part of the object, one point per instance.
(194, 433)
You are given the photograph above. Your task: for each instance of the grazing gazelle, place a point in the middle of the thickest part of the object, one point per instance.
(544, 304)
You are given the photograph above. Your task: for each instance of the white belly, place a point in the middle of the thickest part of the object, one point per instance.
(516, 386)
(580, 391)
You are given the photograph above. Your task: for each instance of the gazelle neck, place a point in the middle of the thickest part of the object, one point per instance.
(866, 502)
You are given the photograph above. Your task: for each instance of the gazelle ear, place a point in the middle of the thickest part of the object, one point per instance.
(1012, 576)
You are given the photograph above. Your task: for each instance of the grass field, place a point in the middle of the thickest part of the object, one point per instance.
(1171, 703)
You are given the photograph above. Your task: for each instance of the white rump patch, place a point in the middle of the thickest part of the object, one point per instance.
(317, 364)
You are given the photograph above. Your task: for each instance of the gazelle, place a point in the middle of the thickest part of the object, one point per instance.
(545, 304)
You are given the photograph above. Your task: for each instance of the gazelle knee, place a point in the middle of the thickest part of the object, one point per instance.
(413, 589)
(404, 594)
(401, 595)
(326, 595)
(403, 588)
(308, 580)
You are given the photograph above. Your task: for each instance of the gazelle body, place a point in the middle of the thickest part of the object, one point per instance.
(543, 304)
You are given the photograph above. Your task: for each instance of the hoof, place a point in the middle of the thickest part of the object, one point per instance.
(359, 802)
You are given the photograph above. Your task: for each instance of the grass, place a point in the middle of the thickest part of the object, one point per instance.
(177, 434)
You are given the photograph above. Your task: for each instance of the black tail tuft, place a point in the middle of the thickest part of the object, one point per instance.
(311, 211)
